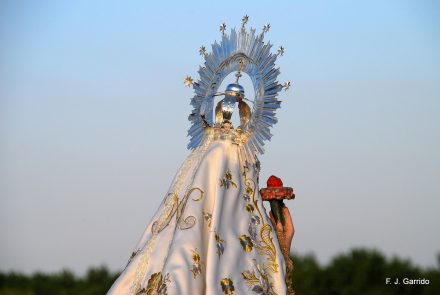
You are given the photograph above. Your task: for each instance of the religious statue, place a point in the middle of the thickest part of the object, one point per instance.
(211, 234)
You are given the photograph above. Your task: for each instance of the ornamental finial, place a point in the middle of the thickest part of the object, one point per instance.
(238, 74)
(223, 28)
(244, 21)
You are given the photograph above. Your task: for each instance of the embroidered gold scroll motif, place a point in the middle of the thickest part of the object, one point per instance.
(175, 208)
(259, 278)
(267, 247)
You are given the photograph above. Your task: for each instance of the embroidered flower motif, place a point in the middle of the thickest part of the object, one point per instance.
(245, 168)
(197, 263)
(252, 229)
(255, 219)
(258, 280)
(246, 243)
(227, 181)
(247, 198)
(227, 286)
(257, 166)
(249, 190)
(157, 285)
(220, 246)
(208, 218)
(249, 208)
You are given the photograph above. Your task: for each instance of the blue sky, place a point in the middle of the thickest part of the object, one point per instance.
(93, 121)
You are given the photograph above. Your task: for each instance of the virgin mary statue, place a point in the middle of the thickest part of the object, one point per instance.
(211, 234)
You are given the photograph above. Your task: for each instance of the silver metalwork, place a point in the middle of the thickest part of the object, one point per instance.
(242, 51)
(235, 89)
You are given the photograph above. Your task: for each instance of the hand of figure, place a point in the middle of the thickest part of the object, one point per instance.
(284, 233)
(288, 230)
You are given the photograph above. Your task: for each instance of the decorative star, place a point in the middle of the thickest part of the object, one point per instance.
(286, 85)
(281, 50)
(266, 28)
(223, 28)
(188, 81)
(202, 51)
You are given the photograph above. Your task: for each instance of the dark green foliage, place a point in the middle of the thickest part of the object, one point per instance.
(97, 281)
(359, 272)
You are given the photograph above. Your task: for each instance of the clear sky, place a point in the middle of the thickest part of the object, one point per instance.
(93, 121)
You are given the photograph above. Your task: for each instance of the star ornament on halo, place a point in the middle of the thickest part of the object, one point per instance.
(202, 51)
(266, 28)
(281, 51)
(223, 28)
(188, 81)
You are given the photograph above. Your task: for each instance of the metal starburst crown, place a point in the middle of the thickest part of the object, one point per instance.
(228, 56)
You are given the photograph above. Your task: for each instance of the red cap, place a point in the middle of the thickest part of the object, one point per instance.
(274, 181)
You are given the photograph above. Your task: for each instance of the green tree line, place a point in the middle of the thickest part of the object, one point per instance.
(359, 271)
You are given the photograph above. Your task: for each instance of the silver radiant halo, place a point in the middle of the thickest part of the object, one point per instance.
(259, 63)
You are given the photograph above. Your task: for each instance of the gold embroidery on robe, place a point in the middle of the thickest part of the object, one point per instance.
(227, 286)
(220, 246)
(267, 247)
(175, 208)
(249, 208)
(157, 285)
(208, 218)
(246, 243)
(227, 181)
(189, 221)
(259, 280)
(197, 263)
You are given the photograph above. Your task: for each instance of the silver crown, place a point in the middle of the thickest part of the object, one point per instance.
(241, 51)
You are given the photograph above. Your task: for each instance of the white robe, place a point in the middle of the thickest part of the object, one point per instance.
(211, 234)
